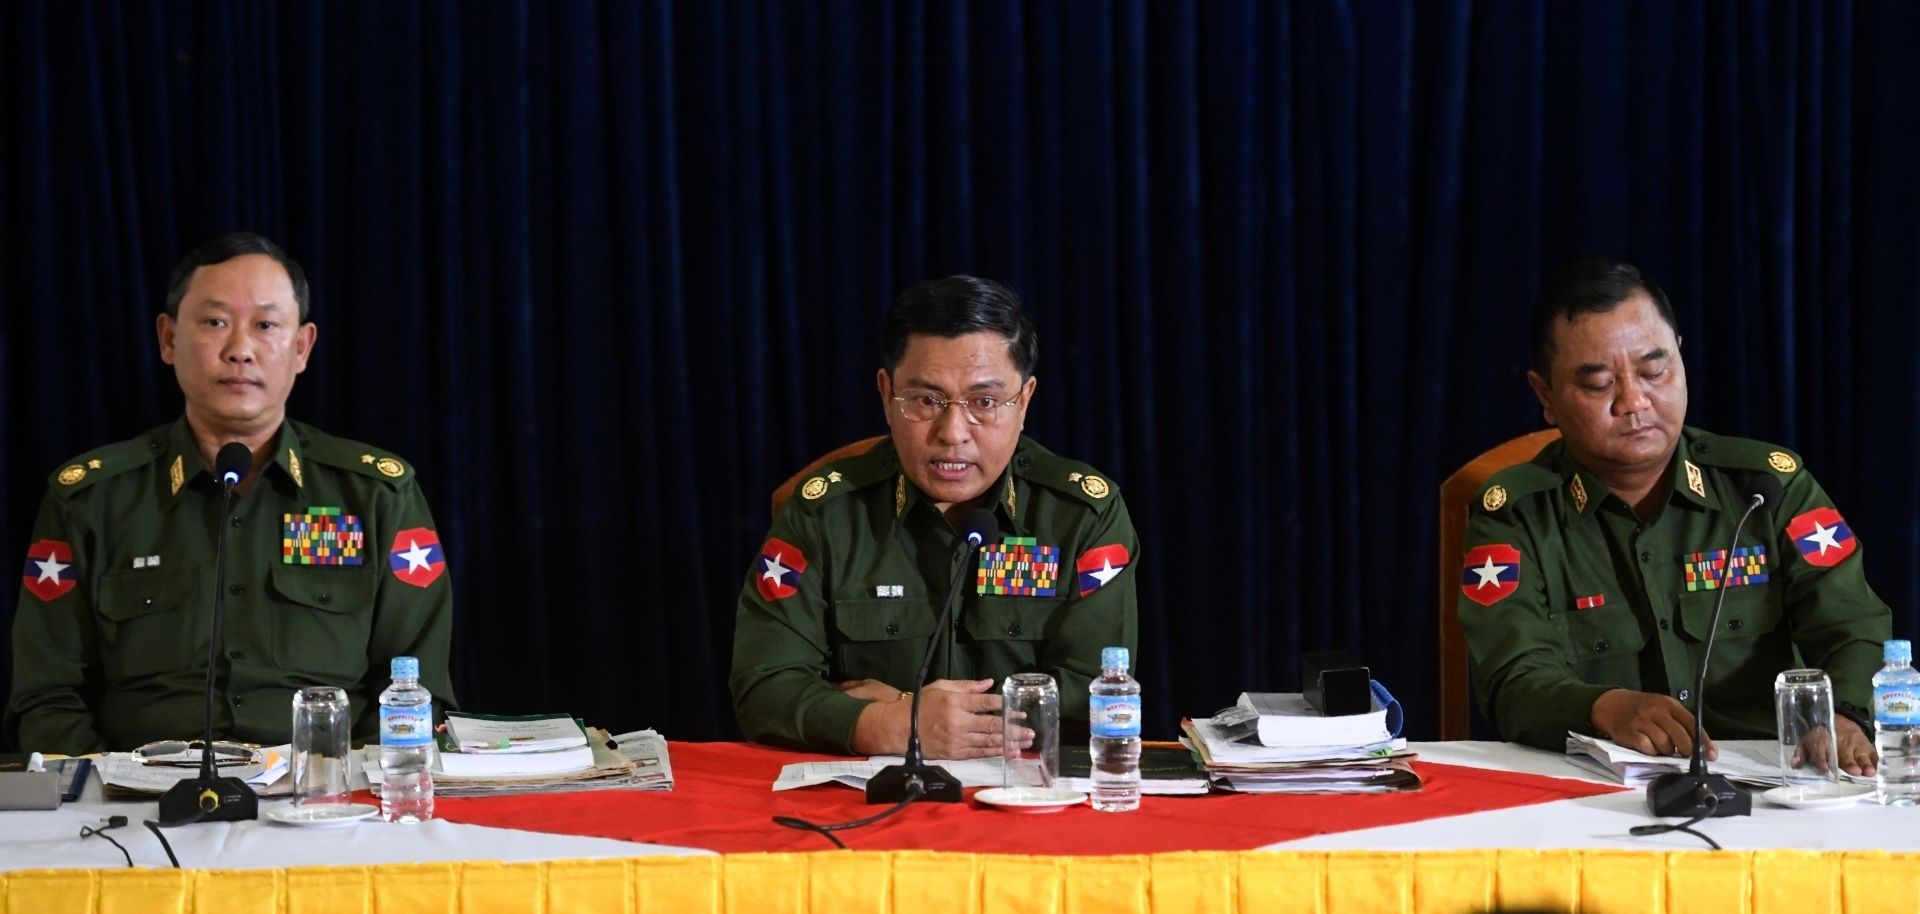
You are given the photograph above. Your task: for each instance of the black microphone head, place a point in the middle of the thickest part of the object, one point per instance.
(1767, 488)
(232, 464)
(981, 526)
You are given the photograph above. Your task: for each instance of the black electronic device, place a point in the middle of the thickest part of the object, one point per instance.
(1697, 793)
(208, 797)
(1336, 683)
(897, 783)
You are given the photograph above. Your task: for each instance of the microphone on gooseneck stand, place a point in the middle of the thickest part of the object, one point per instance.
(913, 778)
(210, 798)
(1699, 794)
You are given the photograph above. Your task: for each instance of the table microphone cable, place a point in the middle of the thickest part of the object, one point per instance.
(1708, 799)
(155, 827)
(914, 789)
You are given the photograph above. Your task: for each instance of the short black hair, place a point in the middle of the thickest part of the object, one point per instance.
(1593, 285)
(954, 307)
(225, 248)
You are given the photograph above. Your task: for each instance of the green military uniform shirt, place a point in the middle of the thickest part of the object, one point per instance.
(333, 568)
(1566, 594)
(852, 579)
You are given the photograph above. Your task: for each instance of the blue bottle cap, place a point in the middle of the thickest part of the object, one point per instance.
(1899, 650)
(406, 668)
(1114, 658)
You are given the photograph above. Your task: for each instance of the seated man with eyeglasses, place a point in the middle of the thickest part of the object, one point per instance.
(839, 605)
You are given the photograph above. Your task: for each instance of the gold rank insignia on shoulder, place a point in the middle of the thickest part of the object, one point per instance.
(1577, 491)
(1495, 498)
(72, 474)
(177, 474)
(814, 488)
(389, 467)
(1695, 481)
(1782, 462)
(93, 464)
(834, 476)
(1073, 477)
(293, 468)
(366, 458)
(1094, 486)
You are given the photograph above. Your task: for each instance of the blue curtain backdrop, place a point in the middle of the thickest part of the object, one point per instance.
(606, 273)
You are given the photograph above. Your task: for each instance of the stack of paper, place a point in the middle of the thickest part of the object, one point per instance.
(1286, 719)
(490, 745)
(1379, 766)
(123, 778)
(635, 761)
(1754, 762)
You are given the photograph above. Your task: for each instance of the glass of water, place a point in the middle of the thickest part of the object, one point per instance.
(1030, 747)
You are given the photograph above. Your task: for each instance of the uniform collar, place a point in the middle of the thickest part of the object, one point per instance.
(1009, 499)
(1583, 493)
(182, 465)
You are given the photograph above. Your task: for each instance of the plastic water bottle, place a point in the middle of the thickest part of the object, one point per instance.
(1896, 715)
(406, 746)
(1113, 713)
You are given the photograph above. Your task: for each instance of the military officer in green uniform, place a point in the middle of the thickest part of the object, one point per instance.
(1591, 572)
(839, 606)
(333, 565)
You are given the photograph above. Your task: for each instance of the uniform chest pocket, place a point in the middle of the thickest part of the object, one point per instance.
(324, 619)
(1004, 618)
(863, 620)
(1606, 633)
(1751, 611)
(153, 622)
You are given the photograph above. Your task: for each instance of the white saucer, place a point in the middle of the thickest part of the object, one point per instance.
(1031, 799)
(1827, 797)
(322, 815)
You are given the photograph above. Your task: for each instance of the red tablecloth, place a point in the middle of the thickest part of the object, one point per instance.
(723, 800)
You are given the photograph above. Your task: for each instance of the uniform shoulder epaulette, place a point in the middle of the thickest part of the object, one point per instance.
(834, 478)
(1740, 453)
(353, 456)
(100, 463)
(1517, 481)
(1072, 478)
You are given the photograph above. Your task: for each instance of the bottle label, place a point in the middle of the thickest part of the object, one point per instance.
(406, 726)
(1895, 705)
(1114, 715)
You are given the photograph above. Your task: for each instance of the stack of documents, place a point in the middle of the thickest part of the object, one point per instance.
(1164, 771)
(489, 745)
(631, 761)
(1753, 762)
(122, 777)
(1379, 766)
(1280, 719)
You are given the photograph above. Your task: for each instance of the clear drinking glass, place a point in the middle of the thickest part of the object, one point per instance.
(1803, 708)
(322, 732)
(1031, 730)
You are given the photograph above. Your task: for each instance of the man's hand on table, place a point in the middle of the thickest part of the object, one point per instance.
(956, 719)
(1647, 722)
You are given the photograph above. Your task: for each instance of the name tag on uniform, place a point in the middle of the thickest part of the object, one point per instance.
(322, 536)
(889, 590)
(1019, 567)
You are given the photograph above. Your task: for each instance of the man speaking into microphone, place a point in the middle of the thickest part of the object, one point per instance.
(1591, 572)
(841, 603)
(333, 566)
